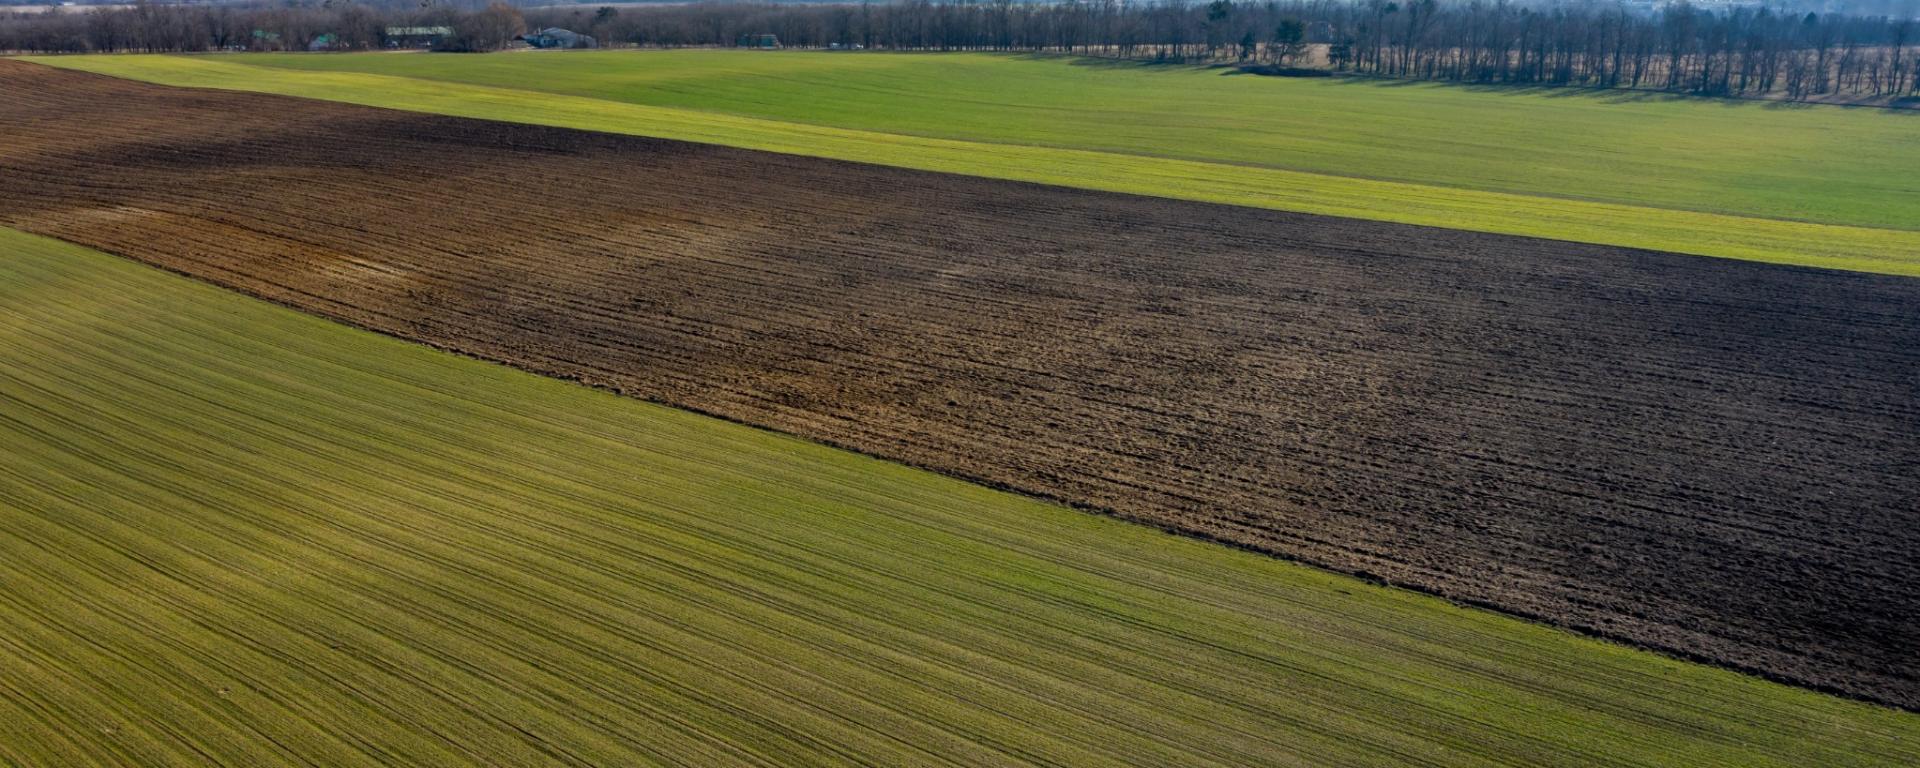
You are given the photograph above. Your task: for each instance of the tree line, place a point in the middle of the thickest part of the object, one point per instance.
(1677, 47)
(343, 25)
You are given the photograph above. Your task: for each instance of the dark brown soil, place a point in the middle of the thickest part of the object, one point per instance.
(1715, 458)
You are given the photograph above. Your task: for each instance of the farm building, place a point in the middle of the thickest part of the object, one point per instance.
(415, 37)
(265, 41)
(555, 37)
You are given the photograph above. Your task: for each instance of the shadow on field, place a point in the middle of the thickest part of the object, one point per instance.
(1908, 105)
(1104, 62)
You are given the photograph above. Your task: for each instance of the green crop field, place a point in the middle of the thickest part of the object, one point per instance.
(1819, 186)
(233, 533)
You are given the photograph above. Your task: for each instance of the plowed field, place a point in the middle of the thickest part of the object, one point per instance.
(1715, 458)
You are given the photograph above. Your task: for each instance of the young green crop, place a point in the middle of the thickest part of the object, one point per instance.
(1818, 186)
(234, 533)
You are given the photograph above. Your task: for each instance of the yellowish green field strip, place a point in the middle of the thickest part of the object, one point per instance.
(231, 533)
(1560, 215)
